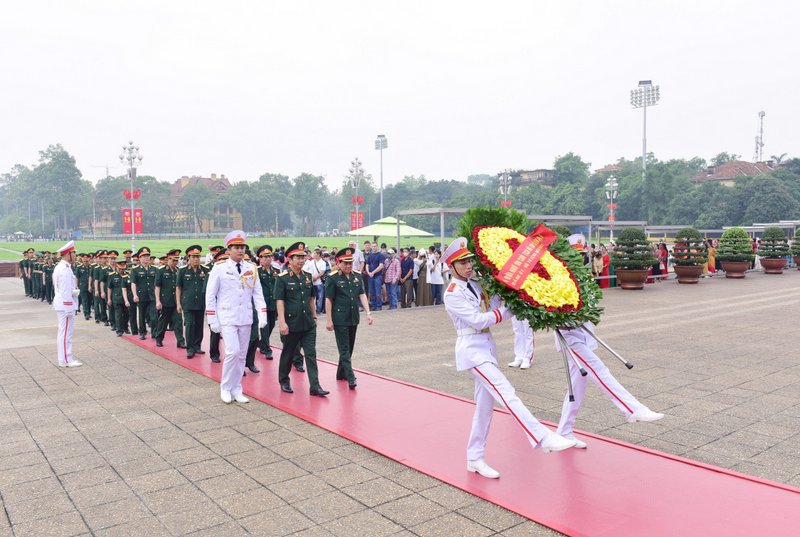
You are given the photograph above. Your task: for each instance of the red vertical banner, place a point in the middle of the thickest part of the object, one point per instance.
(137, 221)
(126, 221)
(356, 220)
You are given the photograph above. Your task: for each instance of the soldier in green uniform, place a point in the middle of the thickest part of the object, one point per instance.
(111, 269)
(250, 355)
(267, 274)
(344, 292)
(166, 301)
(36, 276)
(143, 279)
(23, 272)
(220, 255)
(190, 299)
(132, 314)
(297, 319)
(118, 296)
(98, 277)
(47, 273)
(82, 274)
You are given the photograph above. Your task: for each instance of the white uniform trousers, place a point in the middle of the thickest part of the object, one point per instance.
(236, 339)
(523, 340)
(66, 324)
(600, 375)
(491, 385)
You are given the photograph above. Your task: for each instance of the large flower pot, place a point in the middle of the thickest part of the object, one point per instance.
(688, 273)
(735, 269)
(631, 278)
(772, 265)
(797, 261)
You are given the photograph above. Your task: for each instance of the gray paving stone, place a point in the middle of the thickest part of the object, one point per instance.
(155, 481)
(491, 516)
(325, 507)
(376, 492)
(410, 511)
(224, 485)
(151, 527)
(451, 524)
(62, 525)
(178, 498)
(276, 472)
(35, 508)
(250, 502)
(114, 513)
(366, 522)
(300, 488)
(203, 516)
(103, 493)
(346, 475)
(280, 521)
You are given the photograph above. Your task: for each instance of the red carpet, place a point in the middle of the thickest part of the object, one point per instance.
(612, 488)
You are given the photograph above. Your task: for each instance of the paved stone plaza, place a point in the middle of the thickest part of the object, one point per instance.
(132, 444)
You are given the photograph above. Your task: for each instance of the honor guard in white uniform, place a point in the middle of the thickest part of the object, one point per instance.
(524, 343)
(233, 288)
(583, 346)
(473, 312)
(65, 302)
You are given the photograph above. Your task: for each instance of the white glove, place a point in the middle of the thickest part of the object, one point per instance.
(215, 327)
(76, 293)
(262, 321)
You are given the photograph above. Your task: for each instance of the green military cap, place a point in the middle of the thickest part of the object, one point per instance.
(176, 253)
(221, 255)
(345, 254)
(144, 250)
(298, 248)
(194, 249)
(113, 253)
(264, 250)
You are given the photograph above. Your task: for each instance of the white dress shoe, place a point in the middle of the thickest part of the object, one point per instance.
(579, 444)
(240, 398)
(645, 414)
(225, 395)
(526, 364)
(516, 363)
(74, 363)
(479, 466)
(555, 442)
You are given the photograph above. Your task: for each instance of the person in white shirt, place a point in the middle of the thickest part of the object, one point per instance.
(233, 288)
(473, 312)
(318, 268)
(435, 276)
(66, 292)
(358, 256)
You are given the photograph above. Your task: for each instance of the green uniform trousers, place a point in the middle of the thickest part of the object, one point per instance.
(345, 340)
(308, 341)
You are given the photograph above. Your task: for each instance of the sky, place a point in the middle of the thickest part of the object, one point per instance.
(463, 87)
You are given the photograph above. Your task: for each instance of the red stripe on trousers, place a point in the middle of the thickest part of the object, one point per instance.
(603, 383)
(66, 329)
(506, 405)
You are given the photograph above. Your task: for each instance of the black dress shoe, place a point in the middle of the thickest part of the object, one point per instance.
(159, 344)
(215, 360)
(96, 321)
(253, 369)
(106, 323)
(87, 318)
(300, 368)
(181, 346)
(134, 333)
(268, 357)
(189, 355)
(127, 331)
(119, 334)
(351, 384)
(199, 352)
(286, 388)
(319, 392)
(142, 336)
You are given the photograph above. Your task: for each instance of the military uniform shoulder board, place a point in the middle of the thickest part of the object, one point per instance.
(451, 288)
(284, 273)
(307, 272)
(334, 273)
(356, 272)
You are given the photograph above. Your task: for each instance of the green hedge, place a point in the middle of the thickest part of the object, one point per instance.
(796, 244)
(735, 245)
(773, 243)
(690, 248)
(632, 250)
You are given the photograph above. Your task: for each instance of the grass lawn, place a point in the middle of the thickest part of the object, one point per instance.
(11, 251)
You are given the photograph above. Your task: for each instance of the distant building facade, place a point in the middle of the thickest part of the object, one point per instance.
(727, 173)
(225, 217)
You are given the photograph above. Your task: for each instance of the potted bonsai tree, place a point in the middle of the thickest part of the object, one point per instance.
(795, 250)
(735, 252)
(632, 258)
(688, 255)
(773, 250)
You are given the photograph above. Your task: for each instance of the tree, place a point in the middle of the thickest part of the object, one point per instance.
(571, 169)
(482, 179)
(366, 188)
(308, 195)
(770, 201)
(198, 202)
(724, 157)
(778, 159)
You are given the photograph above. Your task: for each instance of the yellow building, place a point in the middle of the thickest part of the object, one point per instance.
(225, 217)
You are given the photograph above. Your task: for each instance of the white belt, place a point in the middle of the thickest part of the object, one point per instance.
(471, 331)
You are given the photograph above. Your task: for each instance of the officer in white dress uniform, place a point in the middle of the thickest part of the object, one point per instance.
(232, 288)
(65, 302)
(524, 344)
(583, 346)
(473, 313)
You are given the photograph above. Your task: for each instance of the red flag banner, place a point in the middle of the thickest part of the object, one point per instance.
(126, 221)
(526, 257)
(137, 221)
(127, 194)
(136, 194)
(356, 220)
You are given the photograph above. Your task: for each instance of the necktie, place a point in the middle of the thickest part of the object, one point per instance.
(239, 268)
(471, 290)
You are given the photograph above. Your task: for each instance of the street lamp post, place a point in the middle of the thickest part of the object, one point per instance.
(611, 196)
(356, 174)
(645, 95)
(504, 179)
(130, 154)
(381, 144)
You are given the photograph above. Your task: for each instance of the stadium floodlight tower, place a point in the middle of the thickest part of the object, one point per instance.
(381, 143)
(643, 96)
(130, 154)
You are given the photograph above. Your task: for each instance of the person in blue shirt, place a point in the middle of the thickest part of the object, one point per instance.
(406, 279)
(375, 267)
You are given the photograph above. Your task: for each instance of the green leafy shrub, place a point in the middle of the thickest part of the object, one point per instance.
(690, 248)
(796, 244)
(632, 251)
(773, 243)
(735, 245)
